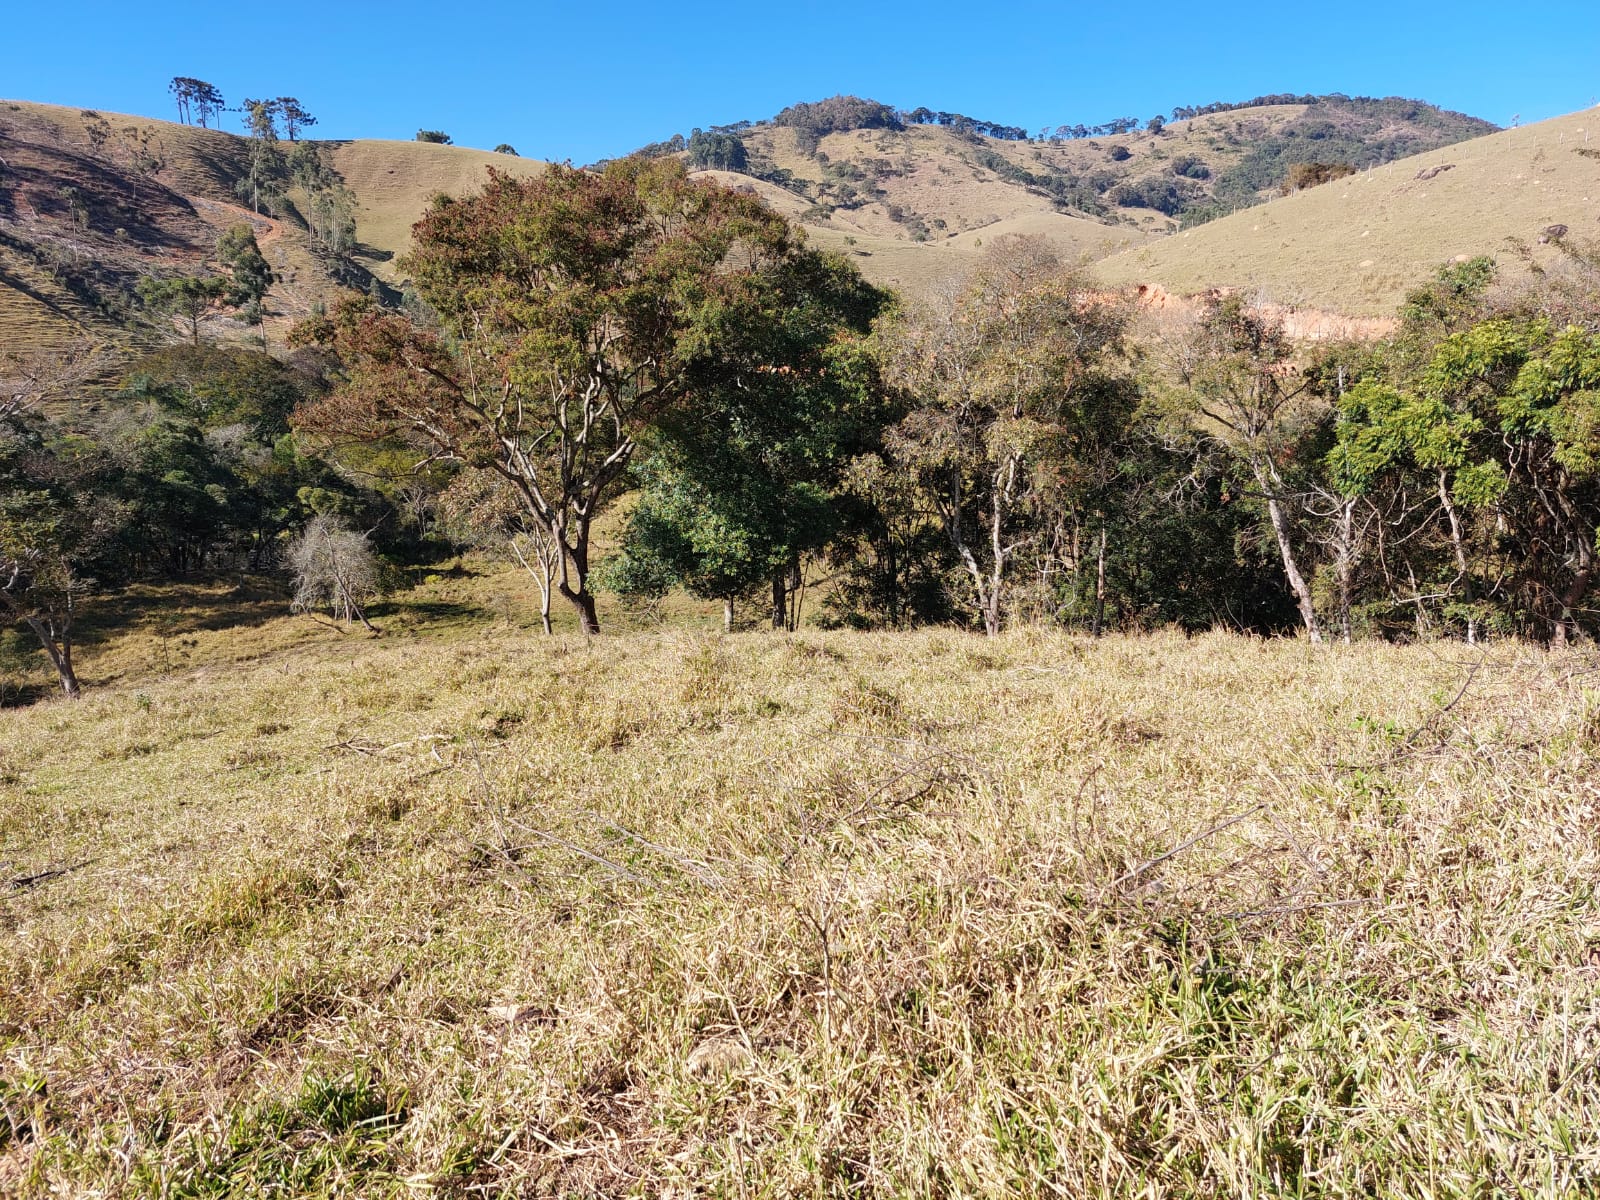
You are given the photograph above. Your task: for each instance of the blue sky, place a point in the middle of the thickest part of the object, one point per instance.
(585, 81)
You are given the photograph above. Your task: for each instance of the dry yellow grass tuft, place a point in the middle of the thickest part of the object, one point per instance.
(469, 910)
(1358, 244)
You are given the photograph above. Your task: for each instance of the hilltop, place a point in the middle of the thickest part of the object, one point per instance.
(1357, 244)
(913, 196)
(90, 202)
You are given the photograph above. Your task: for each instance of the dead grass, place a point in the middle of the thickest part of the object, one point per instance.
(469, 911)
(1358, 244)
(394, 181)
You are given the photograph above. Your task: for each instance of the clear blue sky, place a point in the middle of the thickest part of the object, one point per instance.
(590, 80)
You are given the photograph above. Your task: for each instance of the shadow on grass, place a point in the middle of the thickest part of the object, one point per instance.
(162, 614)
(412, 613)
(167, 609)
(23, 695)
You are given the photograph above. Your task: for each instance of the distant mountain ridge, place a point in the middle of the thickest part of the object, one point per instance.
(1233, 166)
(92, 202)
(914, 194)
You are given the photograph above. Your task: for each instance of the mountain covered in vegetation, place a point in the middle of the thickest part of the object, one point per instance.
(872, 179)
(92, 203)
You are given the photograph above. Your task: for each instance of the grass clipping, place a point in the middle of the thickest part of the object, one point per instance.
(830, 914)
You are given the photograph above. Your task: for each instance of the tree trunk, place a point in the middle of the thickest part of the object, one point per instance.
(1291, 569)
(1100, 584)
(991, 613)
(581, 598)
(582, 601)
(544, 577)
(1346, 565)
(59, 650)
(1569, 601)
(1459, 546)
(727, 614)
(780, 600)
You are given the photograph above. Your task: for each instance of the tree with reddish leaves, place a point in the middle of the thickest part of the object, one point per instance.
(575, 312)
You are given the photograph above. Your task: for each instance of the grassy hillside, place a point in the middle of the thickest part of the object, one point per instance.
(393, 182)
(911, 207)
(922, 268)
(90, 202)
(469, 911)
(895, 193)
(1358, 244)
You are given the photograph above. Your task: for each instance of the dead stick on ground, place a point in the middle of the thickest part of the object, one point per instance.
(1182, 846)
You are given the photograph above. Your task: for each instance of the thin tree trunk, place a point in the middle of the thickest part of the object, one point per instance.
(780, 600)
(1291, 569)
(543, 577)
(727, 614)
(59, 650)
(1346, 566)
(1569, 601)
(1100, 584)
(1458, 544)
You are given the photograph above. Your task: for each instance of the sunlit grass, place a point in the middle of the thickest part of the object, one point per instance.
(468, 910)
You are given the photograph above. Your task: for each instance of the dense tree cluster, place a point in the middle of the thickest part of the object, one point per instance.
(1023, 451)
(838, 114)
(198, 101)
(198, 471)
(966, 125)
(717, 151)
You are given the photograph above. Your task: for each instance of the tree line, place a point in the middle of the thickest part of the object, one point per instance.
(1024, 453)
(1027, 451)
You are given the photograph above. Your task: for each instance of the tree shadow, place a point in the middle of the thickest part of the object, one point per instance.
(25, 695)
(417, 613)
(205, 603)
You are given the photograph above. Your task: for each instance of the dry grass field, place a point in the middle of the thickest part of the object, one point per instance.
(1358, 244)
(394, 181)
(464, 911)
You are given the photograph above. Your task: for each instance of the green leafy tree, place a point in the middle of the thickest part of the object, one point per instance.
(1239, 386)
(56, 526)
(506, 148)
(187, 297)
(331, 214)
(252, 276)
(576, 312)
(1383, 431)
(717, 152)
(1018, 394)
(264, 181)
(437, 136)
(178, 493)
(739, 491)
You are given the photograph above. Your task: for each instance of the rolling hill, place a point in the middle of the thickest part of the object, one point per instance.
(914, 202)
(1357, 244)
(91, 202)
